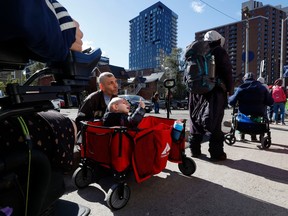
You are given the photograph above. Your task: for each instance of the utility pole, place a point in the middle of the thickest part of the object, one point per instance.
(282, 50)
(246, 14)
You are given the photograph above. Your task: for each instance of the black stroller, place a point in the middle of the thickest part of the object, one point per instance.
(252, 125)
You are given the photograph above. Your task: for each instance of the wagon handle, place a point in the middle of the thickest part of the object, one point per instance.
(169, 83)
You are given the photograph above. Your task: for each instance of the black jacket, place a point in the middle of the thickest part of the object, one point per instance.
(252, 98)
(93, 107)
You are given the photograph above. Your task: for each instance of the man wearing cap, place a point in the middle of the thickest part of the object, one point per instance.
(213, 103)
(252, 98)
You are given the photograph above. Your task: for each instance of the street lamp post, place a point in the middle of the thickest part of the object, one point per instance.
(247, 48)
(282, 49)
(246, 14)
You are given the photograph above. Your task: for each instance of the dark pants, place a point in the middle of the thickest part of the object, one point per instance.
(156, 107)
(206, 115)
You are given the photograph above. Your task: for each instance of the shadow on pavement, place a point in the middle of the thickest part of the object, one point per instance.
(269, 172)
(282, 150)
(265, 171)
(171, 193)
(181, 195)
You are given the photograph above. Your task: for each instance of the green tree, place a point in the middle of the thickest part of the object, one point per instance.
(36, 66)
(172, 66)
(2, 86)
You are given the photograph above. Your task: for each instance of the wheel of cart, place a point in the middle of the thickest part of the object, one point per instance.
(188, 166)
(83, 176)
(230, 138)
(265, 141)
(118, 196)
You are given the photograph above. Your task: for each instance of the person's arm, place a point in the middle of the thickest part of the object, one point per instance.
(85, 112)
(268, 98)
(135, 118)
(232, 100)
(224, 66)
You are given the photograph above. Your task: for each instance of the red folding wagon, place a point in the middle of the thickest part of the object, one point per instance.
(119, 150)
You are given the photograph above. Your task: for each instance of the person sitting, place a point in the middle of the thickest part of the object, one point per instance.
(252, 98)
(117, 114)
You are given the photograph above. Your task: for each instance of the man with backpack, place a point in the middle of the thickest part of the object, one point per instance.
(279, 98)
(207, 100)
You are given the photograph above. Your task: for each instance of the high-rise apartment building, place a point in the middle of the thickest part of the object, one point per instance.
(153, 34)
(264, 40)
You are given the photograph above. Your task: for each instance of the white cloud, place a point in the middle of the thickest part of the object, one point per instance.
(197, 6)
(87, 44)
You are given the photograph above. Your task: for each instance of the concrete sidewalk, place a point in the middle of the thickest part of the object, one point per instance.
(250, 182)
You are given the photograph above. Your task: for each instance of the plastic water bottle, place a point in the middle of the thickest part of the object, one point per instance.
(177, 129)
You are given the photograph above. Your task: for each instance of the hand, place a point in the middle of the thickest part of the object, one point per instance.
(77, 45)
(141, 104)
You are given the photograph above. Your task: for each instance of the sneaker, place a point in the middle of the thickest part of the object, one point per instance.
(283, 123)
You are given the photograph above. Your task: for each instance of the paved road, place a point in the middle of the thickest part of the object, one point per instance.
(250, 182)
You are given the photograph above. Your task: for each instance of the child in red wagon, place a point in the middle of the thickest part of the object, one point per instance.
(118, 113)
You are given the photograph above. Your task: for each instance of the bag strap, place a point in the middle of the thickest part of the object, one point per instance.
(29, 144)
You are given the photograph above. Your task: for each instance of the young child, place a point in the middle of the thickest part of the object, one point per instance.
(117, 115)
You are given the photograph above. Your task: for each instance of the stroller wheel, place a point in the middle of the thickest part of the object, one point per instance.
(187, 167)
(118, 196)
(229, 139)
(82, 177)
(266, 142)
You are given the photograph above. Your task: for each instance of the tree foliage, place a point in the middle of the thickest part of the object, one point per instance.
(36, 66)
(172, 66)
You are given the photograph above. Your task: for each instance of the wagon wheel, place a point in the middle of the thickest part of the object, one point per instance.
(266, 142)
(82, 177)
(229, 139)
(187, 167)
(118, 196)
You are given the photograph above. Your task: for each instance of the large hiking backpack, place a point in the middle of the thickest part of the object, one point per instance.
(199, 74)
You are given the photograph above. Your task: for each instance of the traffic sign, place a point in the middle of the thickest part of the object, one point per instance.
(250, 56)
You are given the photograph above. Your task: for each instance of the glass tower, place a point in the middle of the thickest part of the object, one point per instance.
(153, 34)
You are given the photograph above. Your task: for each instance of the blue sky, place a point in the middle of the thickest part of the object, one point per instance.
(105, 23)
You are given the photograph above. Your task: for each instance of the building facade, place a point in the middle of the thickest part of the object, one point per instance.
(264, 25)
(153, 34)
